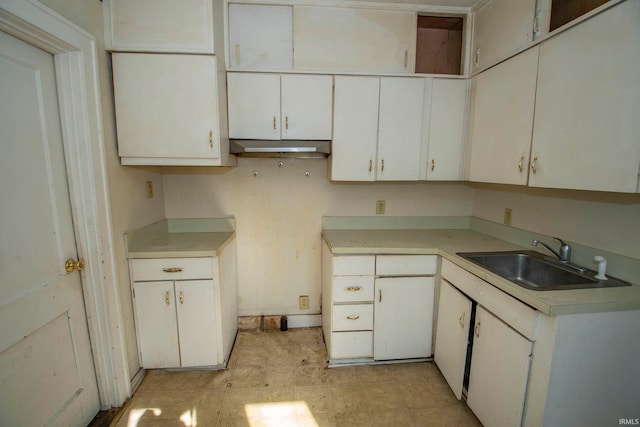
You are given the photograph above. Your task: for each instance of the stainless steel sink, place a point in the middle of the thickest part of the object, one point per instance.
(533, 270)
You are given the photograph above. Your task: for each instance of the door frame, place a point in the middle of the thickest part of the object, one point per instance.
(76, 64)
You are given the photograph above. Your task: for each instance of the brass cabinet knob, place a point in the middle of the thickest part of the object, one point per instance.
(72, 265)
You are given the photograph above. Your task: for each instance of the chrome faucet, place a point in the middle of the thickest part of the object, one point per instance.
(564, 254)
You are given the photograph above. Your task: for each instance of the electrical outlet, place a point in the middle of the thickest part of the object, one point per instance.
(508, 213)
(149, 189)
(380, 207)
(303, 302)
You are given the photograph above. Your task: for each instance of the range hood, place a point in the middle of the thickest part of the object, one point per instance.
(280, 148)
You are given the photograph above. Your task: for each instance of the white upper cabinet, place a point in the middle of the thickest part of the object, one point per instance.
(307, 106)
(445, 131)
(501, 120)
(260, 37)
(170, 110)
(355, 128)
(351, 39)
(271, 106)
(377, 131)
(587, 123)
(501, 28)
(164, 26)
(400, 128)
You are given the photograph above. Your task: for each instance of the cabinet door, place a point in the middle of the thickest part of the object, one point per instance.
(452, 335)
(166, 106)
(156, 324)
(197, 323)
(400, 128)
(586, 129)
(350, 39)
(355, 128)
(446, 129)
(403, 318)
(307, 103)
(499, 371)
(502, 120)
(501, 28)
(160, 25)
(260, 36)
(254, 105)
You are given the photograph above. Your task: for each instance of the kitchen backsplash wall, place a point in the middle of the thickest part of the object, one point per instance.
(279, 220)
(607, 221)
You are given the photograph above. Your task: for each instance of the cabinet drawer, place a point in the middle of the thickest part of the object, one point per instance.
(352, 288)
(354, 265)
(406, 265)
(356, 317)
(351, 344)
(171, 268)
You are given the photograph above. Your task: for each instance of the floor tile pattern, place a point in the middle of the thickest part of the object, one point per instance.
(281, 379)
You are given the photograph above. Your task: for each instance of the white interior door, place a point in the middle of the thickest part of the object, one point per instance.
(46, 368)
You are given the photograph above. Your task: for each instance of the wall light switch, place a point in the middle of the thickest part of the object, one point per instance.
(380, 207)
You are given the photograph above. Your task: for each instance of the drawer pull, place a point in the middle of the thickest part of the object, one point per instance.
(354, 288)
(353, 317)
(172, 270)
(166, 298)
(462, 319)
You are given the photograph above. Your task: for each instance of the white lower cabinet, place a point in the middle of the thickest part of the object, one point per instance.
(176, 323)
(403, 320)
(499, 371)
(472, 340)
(452, 337)
(367, 316)
(185, 310)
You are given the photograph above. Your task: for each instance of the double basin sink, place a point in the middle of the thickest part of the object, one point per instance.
(535, 271)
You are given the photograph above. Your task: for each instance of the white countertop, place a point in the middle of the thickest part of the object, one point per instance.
(447, 243)
(180, 238)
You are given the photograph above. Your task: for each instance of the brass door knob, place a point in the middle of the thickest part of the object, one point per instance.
(72, 265)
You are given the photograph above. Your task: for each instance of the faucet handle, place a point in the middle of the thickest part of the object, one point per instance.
(562, 242)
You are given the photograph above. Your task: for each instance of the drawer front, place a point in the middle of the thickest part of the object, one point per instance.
(171, 268)
(356, 317)
(353, 288)
(354, 265)
(349, 345)
(406, 265)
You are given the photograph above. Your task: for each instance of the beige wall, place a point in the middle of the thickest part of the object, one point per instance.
(607, 221)
(279, 220)
(129, 206)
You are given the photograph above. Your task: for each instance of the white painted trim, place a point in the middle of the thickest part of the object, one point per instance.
(76, 62)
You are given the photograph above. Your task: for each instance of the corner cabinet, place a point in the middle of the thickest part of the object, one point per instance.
(377, 133)
(501, 121)
(171, 110)
(371, 312)
(185, 310)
